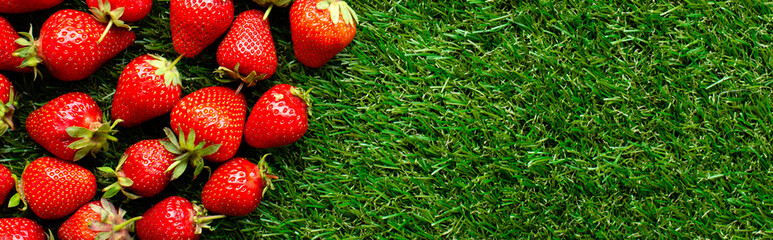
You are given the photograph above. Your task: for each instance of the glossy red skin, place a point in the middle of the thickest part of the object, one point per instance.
(172, 218)
(279, 118)
(5, 89)
(216, 115)
(55, 188)
(68, 44)
(234, 189)
(141, 95)
(145, 164)
(198, 23)
(315, 38)
(6, 183)
(250, 44)
(48, 124)
(76, 227)
(25, 6)
(21, 229)
(134, 10)
(8, 44)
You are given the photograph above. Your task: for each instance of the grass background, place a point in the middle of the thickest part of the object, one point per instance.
(494, 119)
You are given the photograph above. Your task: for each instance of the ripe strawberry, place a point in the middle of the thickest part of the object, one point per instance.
(236, 187)
(70, 126)
(198, 23)
(69, 47)
(279, 117)
(133, 10)
(25, 6)
(173, 218)
(6, 183)
(248, 49)
(21, 229)
(8, 45)
(7, 104)
(97, 220)
(149, 87)
(54, 188)
(320, 29)
(216, 116)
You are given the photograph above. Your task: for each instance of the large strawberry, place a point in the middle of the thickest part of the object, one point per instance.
(68, 45)
(216, 116)
(279, 118)
(7, 104)
(248, 49)
(6, 183)
(320, 29)
(25, 6)
(54, 188)
(173, 218)
(198, 23)
(97, 220)
(236, 187)
(21, 229)
(70, 126)
(8, 45)
(148, 87)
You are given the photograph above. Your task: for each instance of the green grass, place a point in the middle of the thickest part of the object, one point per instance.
(495, 119)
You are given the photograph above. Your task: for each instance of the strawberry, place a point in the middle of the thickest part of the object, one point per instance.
(320, 29)
(25, 6)
(148, 87)
(7, 104)
(173, 218)
(133, 10)
(21, 229)
(55, 188)
(198, 23)
(68, 45)
(248, 49)
(8, 45)
(97, 220)
(279, 118)
(236, 187)
(6, 183)
(216, 116)
(270, 5)
(70, 126)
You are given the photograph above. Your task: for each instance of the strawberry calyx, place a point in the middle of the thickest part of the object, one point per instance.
(92, 139)
(270, 5)
(28, 51)
(263, 170)
(18, 197)
(112, 224)
(304, 96)
(251, 80)
(105, 14)
(6, 113)
(201, 219)
(166, 69)
(187, 151)
(339, 9)
(121, 184)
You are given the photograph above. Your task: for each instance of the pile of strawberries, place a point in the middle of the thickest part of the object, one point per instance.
(207, 125)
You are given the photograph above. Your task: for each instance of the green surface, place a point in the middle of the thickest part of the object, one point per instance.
(496, 119)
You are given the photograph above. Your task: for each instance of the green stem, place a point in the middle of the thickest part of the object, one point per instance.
(107, 29)
(265, 15)
(124, 224)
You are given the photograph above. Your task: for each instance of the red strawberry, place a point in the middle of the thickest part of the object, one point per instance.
(21, 229)
(236, 187)
(96, 220)
(320, 29)
(149, 87)
(279, 118)
(173, 218)
(248, 49)
(70, 126)
(55, 188)
(25, 6)
(68, 45)
(216, 116)
(133, 10)
(6, 183)
(7, 104)
(8, 45)
(198, 23)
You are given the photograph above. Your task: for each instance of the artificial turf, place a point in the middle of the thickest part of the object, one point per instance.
(493, 120)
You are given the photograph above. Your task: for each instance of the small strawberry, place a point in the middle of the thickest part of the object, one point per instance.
(25, 6)
(21, 229)
(198, 23)
(69, 47)
(8, 45)
(320, 29)
(148, 87)
(55, 188)
(248, 49)
(118, 13)
(70, 126)
(216, 116)
(97, 220)
(7, 104)
(173, 218)
(6, 183)
(236, 187)
(279, 118)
